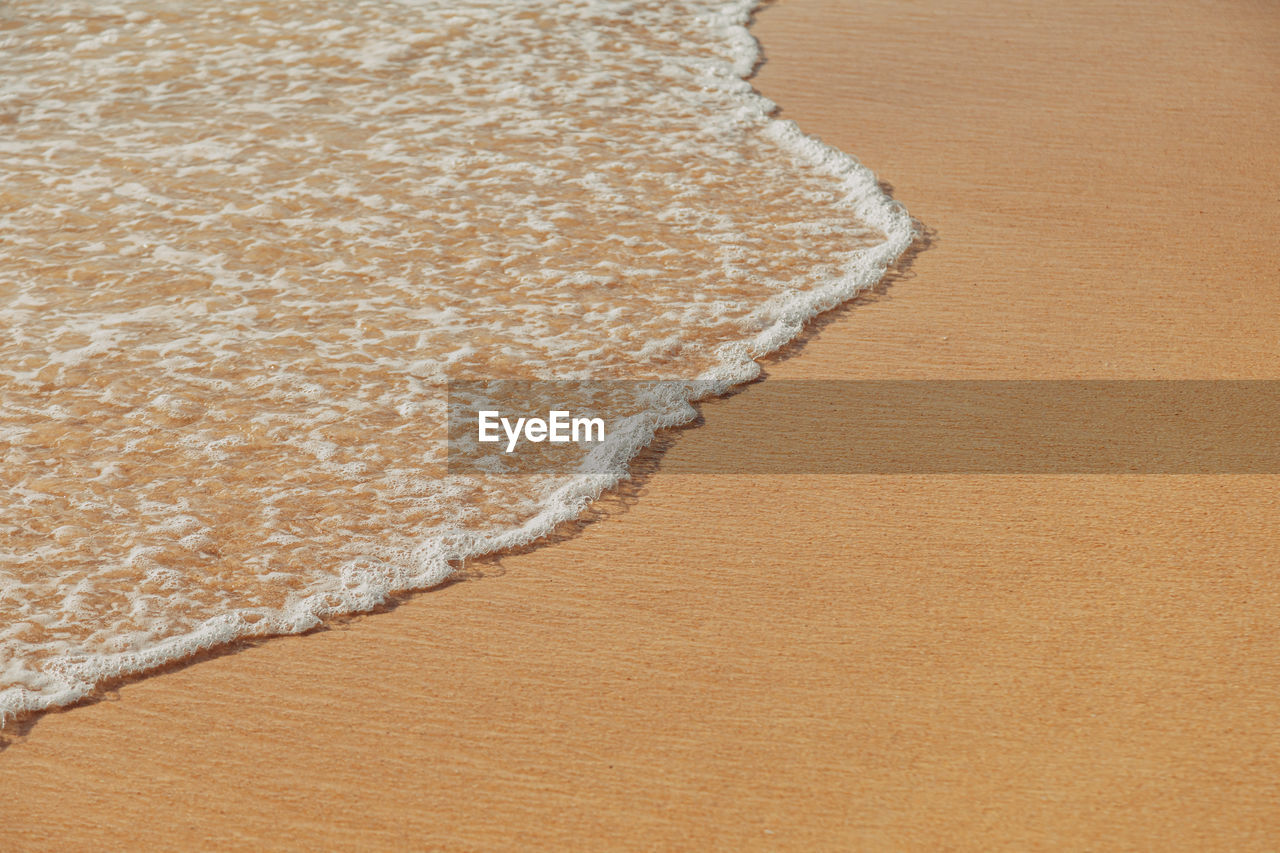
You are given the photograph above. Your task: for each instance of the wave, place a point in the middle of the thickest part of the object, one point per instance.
(251, 243)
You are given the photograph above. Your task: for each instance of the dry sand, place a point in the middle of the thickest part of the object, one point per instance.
(810, 662)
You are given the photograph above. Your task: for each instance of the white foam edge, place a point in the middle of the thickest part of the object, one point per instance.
(435, 560)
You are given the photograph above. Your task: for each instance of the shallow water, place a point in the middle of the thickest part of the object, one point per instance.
(245, 245)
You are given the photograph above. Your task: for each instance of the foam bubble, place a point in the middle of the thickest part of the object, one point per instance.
(243, 244)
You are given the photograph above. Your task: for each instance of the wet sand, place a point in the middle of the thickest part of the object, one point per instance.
(823, 662)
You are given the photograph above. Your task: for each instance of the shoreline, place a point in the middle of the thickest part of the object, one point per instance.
(812, 661)
(432, 561)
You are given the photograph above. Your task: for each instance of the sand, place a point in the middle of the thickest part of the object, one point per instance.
(823, 662)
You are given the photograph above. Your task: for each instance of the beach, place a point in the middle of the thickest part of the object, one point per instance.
(827, 662)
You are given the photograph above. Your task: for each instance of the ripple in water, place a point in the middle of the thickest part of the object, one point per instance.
(244, 244)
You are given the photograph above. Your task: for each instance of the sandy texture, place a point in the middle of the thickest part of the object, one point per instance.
(826, 662)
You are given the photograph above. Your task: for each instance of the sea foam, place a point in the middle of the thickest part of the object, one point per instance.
(244, 245)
